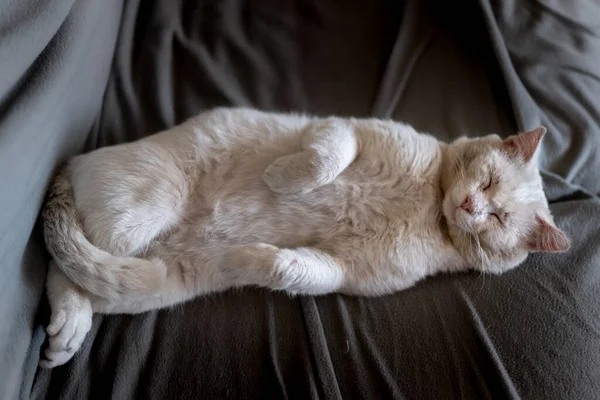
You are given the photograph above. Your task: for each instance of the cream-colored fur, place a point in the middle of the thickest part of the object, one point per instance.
(238, 197)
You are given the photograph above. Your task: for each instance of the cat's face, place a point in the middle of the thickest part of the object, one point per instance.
(494, 202)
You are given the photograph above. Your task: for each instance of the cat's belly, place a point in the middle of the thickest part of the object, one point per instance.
(260, 216)
(251, 213)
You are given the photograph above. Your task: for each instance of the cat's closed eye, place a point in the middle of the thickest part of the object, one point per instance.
(487, 185)
(499, 216)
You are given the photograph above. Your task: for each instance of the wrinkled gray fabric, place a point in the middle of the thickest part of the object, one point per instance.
(55, 58)
(486, 67)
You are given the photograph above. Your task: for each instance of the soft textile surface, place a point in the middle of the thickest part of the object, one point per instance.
(54, 64)
(531, 333)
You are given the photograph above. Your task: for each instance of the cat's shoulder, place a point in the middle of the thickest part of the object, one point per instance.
(374, 131)
(397, 143)
(236, 116)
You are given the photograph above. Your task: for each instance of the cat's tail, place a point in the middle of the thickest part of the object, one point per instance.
(93, 269)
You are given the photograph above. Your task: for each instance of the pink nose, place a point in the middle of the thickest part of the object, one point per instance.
(467, 205)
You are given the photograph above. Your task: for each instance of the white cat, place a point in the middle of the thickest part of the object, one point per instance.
(238, 197)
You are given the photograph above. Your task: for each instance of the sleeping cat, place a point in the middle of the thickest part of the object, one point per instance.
(238, 197)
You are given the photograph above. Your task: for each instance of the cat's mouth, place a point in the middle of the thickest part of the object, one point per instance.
(462, 220)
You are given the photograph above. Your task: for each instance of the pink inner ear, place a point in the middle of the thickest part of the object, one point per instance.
(525, 144)
(547, 237)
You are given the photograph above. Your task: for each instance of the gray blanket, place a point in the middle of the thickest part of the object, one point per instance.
(488, 67)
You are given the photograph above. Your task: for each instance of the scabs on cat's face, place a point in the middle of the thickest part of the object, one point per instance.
(494, 202)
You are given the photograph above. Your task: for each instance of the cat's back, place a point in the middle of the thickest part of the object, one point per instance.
(244, 129)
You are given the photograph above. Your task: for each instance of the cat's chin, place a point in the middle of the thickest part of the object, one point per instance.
(499, 266)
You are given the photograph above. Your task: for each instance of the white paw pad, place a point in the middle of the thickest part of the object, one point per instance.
(67, 329)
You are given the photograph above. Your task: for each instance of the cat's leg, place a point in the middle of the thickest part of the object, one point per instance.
(121, 219)
(128, 195)
(184, 281)
(70, 321)
(329, 146)
(297, 271)
(72, 308)
(303, 270)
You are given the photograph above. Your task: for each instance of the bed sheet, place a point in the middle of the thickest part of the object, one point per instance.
(488, 67)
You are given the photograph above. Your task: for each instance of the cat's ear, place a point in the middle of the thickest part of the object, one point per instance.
(547, 237)
(525, 144)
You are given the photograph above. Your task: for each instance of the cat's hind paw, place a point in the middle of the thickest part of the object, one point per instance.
(67, 329)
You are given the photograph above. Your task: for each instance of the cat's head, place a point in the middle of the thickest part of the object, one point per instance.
(494, 202)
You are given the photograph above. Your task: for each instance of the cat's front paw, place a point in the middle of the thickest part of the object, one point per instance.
(296, 173)
(68, 327)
